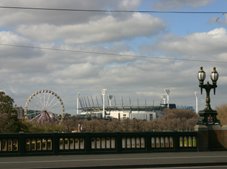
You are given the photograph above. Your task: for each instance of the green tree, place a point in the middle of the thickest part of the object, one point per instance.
(8, 115)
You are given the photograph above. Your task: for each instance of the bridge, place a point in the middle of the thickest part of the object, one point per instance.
(96, 143)
(203, 139)
(106, 150)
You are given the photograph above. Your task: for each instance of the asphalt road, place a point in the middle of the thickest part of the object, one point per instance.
(145, 160)
(192, 167)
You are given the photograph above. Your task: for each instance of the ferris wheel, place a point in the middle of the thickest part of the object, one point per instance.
(44, 105)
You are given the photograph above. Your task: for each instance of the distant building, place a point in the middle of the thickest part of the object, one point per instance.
(143, 112)
(186, 108)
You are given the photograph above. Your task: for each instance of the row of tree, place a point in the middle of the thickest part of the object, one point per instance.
(173, 120)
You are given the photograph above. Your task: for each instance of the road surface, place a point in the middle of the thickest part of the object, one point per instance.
(139, 160)
(192, 167)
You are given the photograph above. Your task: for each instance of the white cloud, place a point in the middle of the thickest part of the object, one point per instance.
(74, 71)
(9, 40)
(197, 45)
(105, 29)
(15, 17)
(125, 73)
(7, 37)
(129, 4)
(176, 4)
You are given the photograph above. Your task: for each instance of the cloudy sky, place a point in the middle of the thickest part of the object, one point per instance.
(134, 54)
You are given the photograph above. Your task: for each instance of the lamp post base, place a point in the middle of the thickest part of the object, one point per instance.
(208, 117)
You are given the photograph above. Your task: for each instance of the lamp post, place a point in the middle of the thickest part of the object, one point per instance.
(208, 116)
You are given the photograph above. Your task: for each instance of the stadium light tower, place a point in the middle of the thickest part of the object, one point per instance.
(196, 103)
(77, 103)
(103, 102)
(110, 100)
(167, 98)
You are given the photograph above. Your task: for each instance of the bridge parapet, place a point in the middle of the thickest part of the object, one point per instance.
(94, 143)
(212, 137)
(204, 138)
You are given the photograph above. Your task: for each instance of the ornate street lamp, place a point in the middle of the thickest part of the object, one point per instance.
(208, 116)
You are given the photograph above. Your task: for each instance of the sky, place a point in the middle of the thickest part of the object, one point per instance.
(136, 55)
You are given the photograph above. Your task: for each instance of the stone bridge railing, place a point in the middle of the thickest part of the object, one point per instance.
(202, 139)
(86, 143)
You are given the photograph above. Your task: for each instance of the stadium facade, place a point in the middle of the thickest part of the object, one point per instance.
(110, 107)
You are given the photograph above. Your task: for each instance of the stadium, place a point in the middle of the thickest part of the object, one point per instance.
(110, 106)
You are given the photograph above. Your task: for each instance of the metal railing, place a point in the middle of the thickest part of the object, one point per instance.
(87, 143)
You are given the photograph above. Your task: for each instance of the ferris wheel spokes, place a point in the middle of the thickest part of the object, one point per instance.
(39, 100)
(44, 105)
(48, 98)
(54, 105)
(52, 101)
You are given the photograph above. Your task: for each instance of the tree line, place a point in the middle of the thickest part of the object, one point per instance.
(172, 120)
